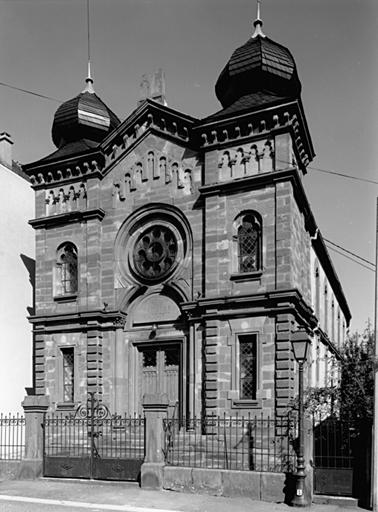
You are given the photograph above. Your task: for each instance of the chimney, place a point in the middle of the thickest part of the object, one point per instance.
(6, 149)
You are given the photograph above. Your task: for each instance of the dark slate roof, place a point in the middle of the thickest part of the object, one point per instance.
(69, 150)
(258, 65)
(249, 102)
(84, 117)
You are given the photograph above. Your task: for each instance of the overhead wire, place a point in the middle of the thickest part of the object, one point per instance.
(27, 91)
(349, 252)
(349, 258)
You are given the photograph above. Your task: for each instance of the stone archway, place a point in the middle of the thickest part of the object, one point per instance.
(151, 355)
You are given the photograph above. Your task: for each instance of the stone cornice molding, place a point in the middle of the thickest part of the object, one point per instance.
(66, 171)
(78, 321)
(67, 218)
(149, 117)
(255, 124)
(275, 302)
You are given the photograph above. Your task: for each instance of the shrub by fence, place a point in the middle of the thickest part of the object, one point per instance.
(247, 443)
(12, 437)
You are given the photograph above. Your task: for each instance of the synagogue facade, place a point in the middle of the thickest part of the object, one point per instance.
(178, 255)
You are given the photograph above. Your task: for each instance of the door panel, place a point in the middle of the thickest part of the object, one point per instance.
(160, 372)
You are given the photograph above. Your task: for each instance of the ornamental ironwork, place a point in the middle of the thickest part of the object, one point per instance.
(155, 252)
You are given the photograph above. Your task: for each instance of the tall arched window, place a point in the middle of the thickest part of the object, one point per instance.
(249, 235)
(66, 270)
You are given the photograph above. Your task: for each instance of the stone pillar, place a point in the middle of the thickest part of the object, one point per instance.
(309, 458)
(35, 408)
(155, 410)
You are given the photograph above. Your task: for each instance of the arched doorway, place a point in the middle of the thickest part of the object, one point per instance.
(156, 341)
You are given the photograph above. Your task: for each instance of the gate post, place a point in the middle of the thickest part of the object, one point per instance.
(309, 458)
(155, 411)
(35, 407)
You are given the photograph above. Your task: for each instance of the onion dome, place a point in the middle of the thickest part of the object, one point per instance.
(259, 66)
(85, 117)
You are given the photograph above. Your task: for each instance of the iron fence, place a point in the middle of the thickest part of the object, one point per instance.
(12, 437)
(117, 436)
(247, 443)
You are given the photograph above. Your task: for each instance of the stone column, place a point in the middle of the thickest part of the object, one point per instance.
(155, 410)
(309, 458)
(35, 408)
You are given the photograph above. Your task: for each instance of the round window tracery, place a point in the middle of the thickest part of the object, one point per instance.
(155, 252)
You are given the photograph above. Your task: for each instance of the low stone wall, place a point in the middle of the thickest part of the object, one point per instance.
(10, 469)
(277, 487)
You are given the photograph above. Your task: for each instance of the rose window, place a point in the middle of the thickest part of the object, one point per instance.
(155, 252)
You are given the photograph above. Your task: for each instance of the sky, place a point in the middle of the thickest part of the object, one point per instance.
(43, 48)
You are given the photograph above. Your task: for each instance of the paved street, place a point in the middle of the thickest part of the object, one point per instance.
(79, 496)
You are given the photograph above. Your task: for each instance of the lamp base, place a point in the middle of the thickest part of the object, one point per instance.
(299, 499)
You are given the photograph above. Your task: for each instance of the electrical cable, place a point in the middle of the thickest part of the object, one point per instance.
(30, 92)
(349, 258)
(349, 252)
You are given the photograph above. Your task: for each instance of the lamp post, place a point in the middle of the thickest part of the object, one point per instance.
(300, 342)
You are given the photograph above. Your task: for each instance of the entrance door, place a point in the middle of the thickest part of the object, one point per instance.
(160, 373)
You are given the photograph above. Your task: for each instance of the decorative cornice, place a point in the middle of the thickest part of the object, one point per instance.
(66, 171)
(79, 321)
(149, 117)
(246, 127)
(67, 218)
(275, 302)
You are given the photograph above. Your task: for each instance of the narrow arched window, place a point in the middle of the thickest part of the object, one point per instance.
(249, 244)
(67, 269)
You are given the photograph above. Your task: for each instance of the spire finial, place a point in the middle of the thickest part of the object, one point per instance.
(89, 79)
(258, 22)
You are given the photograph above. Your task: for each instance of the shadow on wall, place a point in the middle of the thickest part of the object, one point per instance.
(30, 267)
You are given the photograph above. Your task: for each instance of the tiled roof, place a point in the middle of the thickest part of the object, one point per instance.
(68, 150)
(259, 65)
(248, 102)
(85, 116)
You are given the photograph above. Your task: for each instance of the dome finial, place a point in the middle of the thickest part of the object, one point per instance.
(258, 23)
(89, 79)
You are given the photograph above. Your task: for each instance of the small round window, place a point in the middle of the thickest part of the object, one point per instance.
(155, 252)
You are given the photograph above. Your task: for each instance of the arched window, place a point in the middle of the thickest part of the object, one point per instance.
(249, 243)
(66, 269)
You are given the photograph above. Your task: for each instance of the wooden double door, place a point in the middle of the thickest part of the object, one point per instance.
(160, 371)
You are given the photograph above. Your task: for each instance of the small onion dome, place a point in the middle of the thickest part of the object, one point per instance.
(84, 117)
(260, 65)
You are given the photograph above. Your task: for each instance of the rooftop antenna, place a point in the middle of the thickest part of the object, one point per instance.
(89, 79)
(258, 22)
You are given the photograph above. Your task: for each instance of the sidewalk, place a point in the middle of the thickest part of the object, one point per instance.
(129, 497)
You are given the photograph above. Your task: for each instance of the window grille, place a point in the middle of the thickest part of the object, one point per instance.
(68, 374)
(68, 269)
(249, 244)
(248, 366)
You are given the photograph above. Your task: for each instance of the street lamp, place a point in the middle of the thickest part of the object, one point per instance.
(300, 343)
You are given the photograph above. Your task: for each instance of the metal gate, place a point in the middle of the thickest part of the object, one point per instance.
(341, 456)
(92, 443)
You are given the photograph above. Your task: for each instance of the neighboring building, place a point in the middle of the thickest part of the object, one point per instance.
(16, 278)
(178, 255)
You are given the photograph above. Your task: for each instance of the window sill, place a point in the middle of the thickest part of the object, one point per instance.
(69, 297)
(246, 276)
(246, 404)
